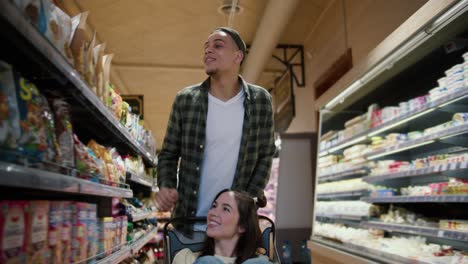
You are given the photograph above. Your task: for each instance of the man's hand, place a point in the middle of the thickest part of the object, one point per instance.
(166, 199)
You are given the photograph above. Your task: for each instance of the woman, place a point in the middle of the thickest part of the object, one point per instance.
(232, 235)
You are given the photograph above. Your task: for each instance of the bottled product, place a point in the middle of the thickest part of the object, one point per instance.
(305, 253)
(286, 252)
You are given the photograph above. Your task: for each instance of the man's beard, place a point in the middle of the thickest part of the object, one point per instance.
(210, 72)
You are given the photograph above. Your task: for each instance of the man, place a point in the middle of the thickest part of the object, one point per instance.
(219, 134)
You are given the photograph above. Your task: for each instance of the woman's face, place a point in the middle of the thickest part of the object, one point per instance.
(223, 218)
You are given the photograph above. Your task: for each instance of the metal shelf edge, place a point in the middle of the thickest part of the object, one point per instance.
(417, 230)
(25, 177)
(143, 240)
(116, 257)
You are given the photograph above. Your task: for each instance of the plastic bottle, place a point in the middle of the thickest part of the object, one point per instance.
(286, 253)
(305, 253)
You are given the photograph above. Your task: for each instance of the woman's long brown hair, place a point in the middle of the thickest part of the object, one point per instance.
(249, 240)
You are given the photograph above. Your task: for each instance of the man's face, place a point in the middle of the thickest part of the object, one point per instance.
(221, 53)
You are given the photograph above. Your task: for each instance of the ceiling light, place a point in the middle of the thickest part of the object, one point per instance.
(227, 5)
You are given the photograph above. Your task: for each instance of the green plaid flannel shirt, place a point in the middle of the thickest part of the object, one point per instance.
(185, 139)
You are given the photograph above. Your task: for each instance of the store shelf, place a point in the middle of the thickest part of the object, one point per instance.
(143, 180)
(142, 216)
(42, 54)
(374, 255)
(25, 177)
(457, 96)
(407, 145)
(117, 257)
(419, 199)
(359, 138)
(347, 194)
(137, 245)
(419, 230)
(348, 174)
(128, 250)
(341, 217)
(452, 169)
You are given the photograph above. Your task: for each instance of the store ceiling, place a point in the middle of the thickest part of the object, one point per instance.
(158, 44)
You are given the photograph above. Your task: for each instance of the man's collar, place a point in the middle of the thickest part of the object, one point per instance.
(206, 86)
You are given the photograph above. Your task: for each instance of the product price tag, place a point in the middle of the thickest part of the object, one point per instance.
(440, 233)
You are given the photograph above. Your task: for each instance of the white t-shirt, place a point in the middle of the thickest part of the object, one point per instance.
(223, 136)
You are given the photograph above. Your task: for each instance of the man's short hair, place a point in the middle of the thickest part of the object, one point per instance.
(237, 39)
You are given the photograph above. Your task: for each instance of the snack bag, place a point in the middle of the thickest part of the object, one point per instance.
(12, 232)
(52, 152)
(125, 111)
(107, 60)
(59, 28)
(103, 155)
(83, 161)
(98, 62)
(33, 139)
(34, 12)
(101, 166)
(64, 132)
(114, 102)
(89, 69)
(78, 41)
(37, 226)
(9, 116)
(119, 165)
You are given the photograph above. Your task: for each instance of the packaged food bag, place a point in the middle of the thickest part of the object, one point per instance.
(78, 41)
(64, 132)
(59, 28)
(98, 62)
(119, 165)
(107, 60)
(34, 12)
(102, 153)
(125, 111)
(9, 115)
(12, 232)
(83, 161)
(89, 69)
(37, 226)
(52, 152)
(33, 138)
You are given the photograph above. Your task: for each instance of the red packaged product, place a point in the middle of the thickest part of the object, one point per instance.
(12, 232)
(37, 226)
(66, 232)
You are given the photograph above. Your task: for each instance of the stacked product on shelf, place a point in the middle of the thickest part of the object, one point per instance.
(69, 37)
(44, 146)
(411, 158)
